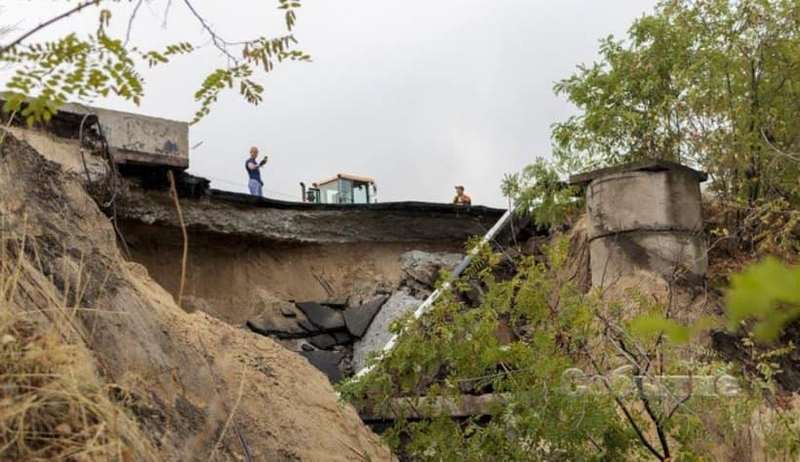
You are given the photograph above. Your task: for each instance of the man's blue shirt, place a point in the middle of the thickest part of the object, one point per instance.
(255, 174)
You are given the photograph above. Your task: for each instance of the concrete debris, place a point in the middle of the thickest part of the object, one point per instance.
(322, 316)
(337, 302)
(327, 362)
(266, 326)
(307, 326)
(378, 332)
(425, 267)
(288, 311)
(358, 318)
(315, 328)
(323, 341)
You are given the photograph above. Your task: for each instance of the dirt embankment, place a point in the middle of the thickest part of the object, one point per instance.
(230, 278)
(195, 381)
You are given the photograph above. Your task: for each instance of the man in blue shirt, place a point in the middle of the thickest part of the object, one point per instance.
(254, 172)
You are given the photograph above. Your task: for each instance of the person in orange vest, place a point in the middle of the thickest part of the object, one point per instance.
(461, 198)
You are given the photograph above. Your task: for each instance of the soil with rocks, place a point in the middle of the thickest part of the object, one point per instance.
(202, 386)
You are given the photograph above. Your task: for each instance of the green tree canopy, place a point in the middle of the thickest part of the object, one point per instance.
(712, 83)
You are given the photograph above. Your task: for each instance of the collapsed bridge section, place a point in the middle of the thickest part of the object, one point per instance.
(252, 261)
(325, 280)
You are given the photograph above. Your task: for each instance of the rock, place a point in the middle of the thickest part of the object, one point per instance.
(306, 347)
(358, 318)
(338, 302)
(378, 332)
(327, 362)
(288, 311)
(424, 267)
(330, 340)
(272, 320)
(417, 289)
(307, 327)
(277, 326)
(324, 317)
(343, 337)
(323, 341)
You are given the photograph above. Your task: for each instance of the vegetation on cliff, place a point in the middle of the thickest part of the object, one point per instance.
(710, 83)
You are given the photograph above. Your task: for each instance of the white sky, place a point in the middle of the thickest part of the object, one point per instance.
(419, 94)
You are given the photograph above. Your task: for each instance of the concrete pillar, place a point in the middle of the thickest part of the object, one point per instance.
(645, 216)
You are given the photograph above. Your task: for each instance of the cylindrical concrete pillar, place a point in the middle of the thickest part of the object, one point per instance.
(645, 217)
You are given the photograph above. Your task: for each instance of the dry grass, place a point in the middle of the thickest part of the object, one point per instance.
(53, 405)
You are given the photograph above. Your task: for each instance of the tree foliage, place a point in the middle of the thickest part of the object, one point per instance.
(538, 190)
(769, 293)
(712, 83)
(82, 67)
(623, 407)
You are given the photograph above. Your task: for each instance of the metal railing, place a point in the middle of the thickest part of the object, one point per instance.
(428, 303)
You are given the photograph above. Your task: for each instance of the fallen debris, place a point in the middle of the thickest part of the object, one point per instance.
(358, 318)
(324, 317)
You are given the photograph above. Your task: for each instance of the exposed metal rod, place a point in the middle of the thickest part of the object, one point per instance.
(428, 303)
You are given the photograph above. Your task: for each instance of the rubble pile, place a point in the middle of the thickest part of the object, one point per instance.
(337, 336)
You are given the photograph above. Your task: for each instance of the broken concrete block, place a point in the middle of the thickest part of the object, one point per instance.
(343, 337)
(324, 317)
(329, 340)
(273, 325)
(327, 362)
(378, 332)
(323, 341)
(307, 327)
(424, 267)
(358, 318)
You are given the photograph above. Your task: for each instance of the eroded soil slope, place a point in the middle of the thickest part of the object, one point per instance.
(231, 277)
(196, 380)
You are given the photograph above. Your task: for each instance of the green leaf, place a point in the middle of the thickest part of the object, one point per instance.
(768, 292)
(654, 325)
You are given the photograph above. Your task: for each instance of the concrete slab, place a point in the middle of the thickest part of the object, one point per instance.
(137, 138)
(327, 362)
(358, 318)
(378, 333)
(324, 317)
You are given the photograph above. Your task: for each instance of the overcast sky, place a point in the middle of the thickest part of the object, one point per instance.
(419, 94)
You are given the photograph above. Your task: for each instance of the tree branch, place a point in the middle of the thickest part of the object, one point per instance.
(47, 23)
(130, 22)
(657, 421)
(631, 421)
(778, 151)
(218, 41)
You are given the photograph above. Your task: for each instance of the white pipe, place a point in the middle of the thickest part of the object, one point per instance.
(428, 303)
